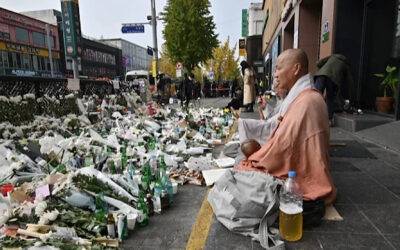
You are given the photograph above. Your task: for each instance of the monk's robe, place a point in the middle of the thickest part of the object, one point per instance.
(300, 143)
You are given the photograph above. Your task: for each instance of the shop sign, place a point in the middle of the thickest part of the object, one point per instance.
(22, 48)
(12, 47)
(72, 27)
(325, 32)
(242, 47)
(21, 72)
(245, 22)
(30, 73)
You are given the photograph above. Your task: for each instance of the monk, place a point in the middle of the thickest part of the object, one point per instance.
(300, 139)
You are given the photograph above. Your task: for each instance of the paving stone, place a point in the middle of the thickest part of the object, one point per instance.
(342, 166)
(387, 156)
(352, 149)
(385, 217)
(220, 237)
(318, 240)
(394, 239)
(362, 189)
(171, 229)
(353, 222)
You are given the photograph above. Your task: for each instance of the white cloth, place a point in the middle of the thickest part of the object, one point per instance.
(261, 130)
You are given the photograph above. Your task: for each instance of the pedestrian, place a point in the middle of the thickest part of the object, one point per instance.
(189, 87)
(333, 72)
(248, 86)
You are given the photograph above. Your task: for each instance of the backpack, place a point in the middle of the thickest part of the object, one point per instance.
(247, 202)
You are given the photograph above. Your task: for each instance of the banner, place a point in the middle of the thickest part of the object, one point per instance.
(71, 27)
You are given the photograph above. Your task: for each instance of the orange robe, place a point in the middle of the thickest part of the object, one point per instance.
(300, 143)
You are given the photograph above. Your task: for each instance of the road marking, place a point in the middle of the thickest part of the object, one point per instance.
(200, 229)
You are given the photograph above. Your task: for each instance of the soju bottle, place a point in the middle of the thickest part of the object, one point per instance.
(111, 166)
(146, 177)
(164, 178)
(142, 206)
(124, 158)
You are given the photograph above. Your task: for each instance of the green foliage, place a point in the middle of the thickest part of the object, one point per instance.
(189, 32)
(389, 80)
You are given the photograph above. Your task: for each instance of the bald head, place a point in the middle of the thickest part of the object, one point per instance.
(291, 65)
(296, 56)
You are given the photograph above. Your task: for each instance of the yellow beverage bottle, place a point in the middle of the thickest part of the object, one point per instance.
(291, 210)
(291, 222)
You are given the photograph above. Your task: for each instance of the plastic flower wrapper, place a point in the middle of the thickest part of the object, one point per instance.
(100, 178)
(126, 183)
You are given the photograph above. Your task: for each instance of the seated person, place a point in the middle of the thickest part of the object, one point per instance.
(249, 147)
(300, 141)
(237, 101)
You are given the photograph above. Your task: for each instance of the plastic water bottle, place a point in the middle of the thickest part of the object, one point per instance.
(291, 210)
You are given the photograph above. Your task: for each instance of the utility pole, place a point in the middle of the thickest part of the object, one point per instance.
(154, 26)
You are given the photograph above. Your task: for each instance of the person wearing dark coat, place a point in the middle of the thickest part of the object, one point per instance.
(188, 83)
(333, 72)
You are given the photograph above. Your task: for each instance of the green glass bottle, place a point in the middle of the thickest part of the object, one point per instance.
(124, 158)
(142, 206)
(146, 177)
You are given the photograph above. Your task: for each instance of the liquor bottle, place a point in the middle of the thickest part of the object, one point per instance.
(111, 226)
(150, 205)
(146, 177)
(143, 220)
(124, 158)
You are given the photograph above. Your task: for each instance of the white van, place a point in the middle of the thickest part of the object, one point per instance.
(137, 74)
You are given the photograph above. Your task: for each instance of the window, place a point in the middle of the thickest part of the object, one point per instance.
(35, 62)
(18, 61)
(52, 42)
(10, 60)
(26, 61)
(5, 59)
(47, 63)
(22, 35)
(42, 65)
(38, 39)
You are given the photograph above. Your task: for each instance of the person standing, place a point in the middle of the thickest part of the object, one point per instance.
(188, 82)
(248, 86)
(333, 72)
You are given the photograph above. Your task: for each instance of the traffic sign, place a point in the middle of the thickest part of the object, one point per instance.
(133, 28)
(179, 65)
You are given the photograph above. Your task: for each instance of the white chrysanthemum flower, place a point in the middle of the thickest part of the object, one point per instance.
(40, 208)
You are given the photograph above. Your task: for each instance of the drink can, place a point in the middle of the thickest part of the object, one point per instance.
(122, 227)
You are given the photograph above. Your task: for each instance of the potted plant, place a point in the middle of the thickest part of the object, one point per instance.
(389, 82)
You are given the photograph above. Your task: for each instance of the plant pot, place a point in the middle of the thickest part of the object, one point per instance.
(384, 104)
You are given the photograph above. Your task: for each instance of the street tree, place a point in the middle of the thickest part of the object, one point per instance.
(167, 66)
(223, 63)
(189, 32)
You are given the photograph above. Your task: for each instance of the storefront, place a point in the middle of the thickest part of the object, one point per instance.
(23, 47)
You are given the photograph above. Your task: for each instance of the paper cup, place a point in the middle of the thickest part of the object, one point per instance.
(174, 187)
(131, 221)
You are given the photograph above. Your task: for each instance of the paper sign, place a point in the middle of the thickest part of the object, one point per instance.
(43, 191)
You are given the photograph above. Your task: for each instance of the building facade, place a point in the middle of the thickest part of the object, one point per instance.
(97, 60)
(134, 57)
(256, 19)
(364, 31)
(24, 49)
